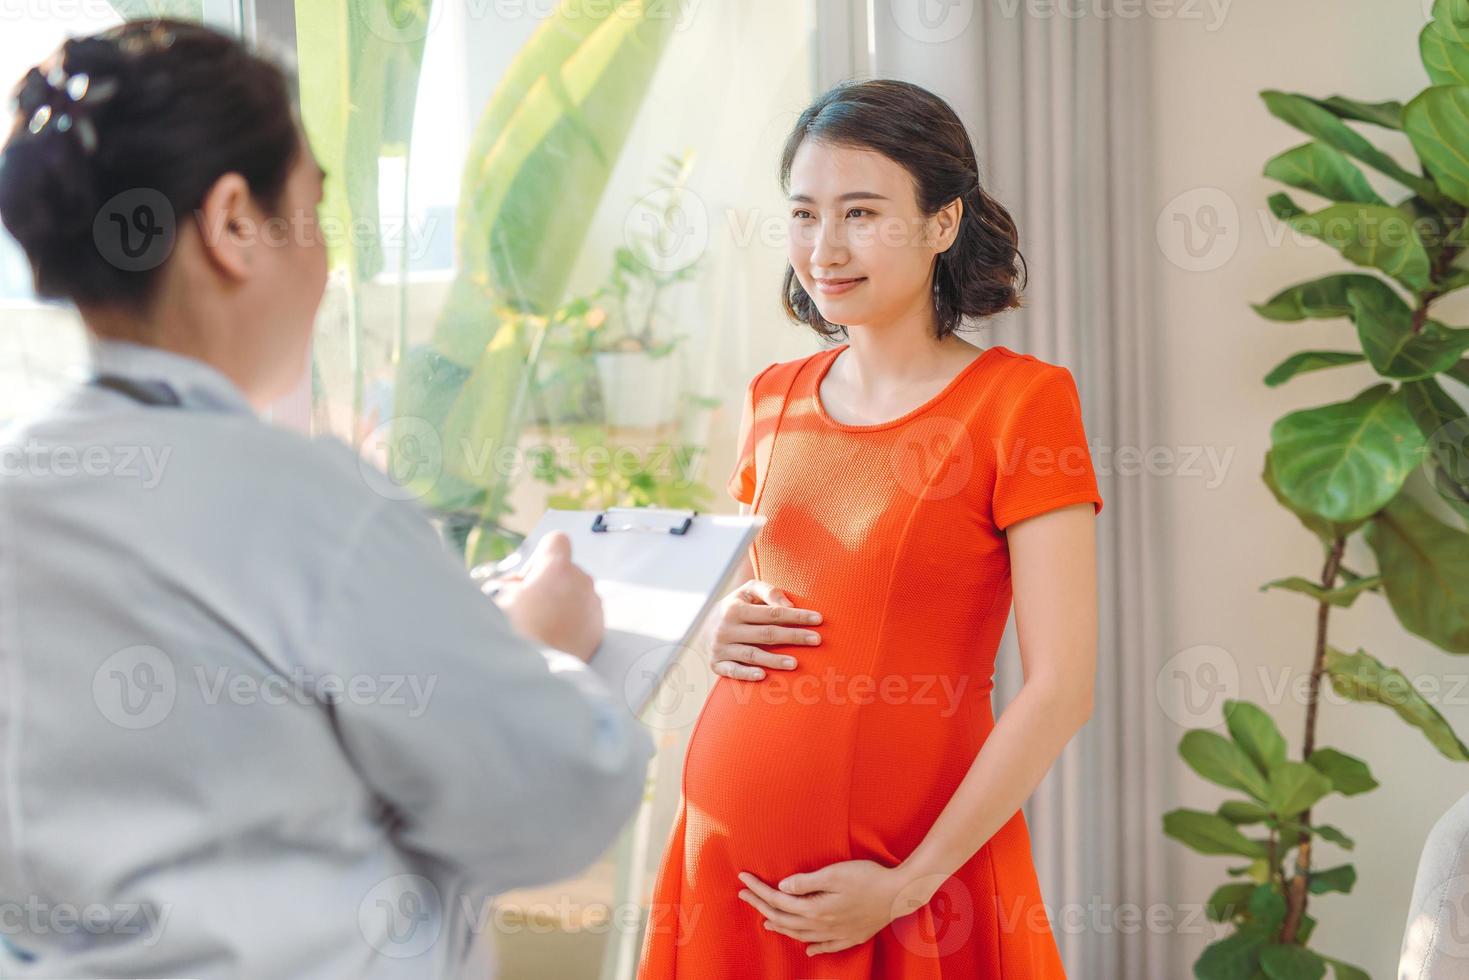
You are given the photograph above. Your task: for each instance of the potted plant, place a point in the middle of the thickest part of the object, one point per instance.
(1386, 462)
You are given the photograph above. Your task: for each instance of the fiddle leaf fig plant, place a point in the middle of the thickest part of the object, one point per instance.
(1374, 464)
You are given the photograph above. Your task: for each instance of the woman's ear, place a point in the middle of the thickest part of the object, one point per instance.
(227, 226)
(946, 223)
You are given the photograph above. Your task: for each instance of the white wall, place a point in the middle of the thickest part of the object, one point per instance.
(1214, 138)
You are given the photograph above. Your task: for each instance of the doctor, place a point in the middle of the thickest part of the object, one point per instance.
(255, 721)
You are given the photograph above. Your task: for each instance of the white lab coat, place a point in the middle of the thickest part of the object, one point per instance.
(255, 720)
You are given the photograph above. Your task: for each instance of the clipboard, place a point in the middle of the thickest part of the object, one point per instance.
(658, 572)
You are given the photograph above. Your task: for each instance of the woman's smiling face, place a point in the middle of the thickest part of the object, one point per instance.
(858, 241)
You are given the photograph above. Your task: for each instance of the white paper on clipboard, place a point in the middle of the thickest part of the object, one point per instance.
(655, 585)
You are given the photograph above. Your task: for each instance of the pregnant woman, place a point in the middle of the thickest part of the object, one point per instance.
(850, 806)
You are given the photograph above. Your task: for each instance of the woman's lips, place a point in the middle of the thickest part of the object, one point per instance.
(835, 287)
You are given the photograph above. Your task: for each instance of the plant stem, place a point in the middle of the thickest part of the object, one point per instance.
(1440, 270)
(1295, 894)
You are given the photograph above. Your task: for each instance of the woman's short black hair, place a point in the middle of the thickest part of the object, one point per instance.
(976, 276)
(142, 117)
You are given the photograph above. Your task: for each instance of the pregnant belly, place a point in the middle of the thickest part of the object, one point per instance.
(794, 772)
(767, 773)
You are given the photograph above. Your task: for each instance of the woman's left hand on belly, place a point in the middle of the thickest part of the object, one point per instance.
(833, 908)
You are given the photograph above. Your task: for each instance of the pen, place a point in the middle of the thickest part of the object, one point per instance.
(488, 572)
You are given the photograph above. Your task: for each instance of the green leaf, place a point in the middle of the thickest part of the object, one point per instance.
(1361, 677)
(1375, 235)
(1395, 349)
(1345, 461)
(1327, 832)
(1257, 870)
(1283, 207)
(1323, 171)
(1287, 961)
(1445, 425)
(1433, 409)
(1219, 760)
(1342, 596)
(1426, 565)
(1446, 61)
(1291, 829)
(1294, 786)
(1254, 731)
(425, 392)
(1229, 900)
(1327, 531)
(1242, 812)
(1437, 123)
(1267, 906)
(540, 158)
(1456, 279)
(1451, 19)
(538, 163)
(1310, 360)
(1325, 298)
(1345, 971)
(1235, 957)
(1338, 879)
(358, 91)
(1348, 774)
(1209, 833)
(1437, 227)
(1388, 115)
(1312, 119)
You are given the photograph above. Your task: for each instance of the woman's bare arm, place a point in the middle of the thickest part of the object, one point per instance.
(1053, 571)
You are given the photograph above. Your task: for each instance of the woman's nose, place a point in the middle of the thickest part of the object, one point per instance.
(830, 246)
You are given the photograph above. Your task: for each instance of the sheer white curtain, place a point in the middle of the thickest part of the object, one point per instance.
(1057, 106)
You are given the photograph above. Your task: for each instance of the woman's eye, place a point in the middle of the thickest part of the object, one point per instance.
(862, 211)
(802, 215)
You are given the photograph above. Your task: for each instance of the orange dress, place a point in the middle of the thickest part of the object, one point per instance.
(895, 533)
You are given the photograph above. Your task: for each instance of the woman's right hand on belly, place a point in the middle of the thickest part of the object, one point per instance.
(757, 613)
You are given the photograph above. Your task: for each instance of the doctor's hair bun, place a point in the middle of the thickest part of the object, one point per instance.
(120, 135)
(976, 277)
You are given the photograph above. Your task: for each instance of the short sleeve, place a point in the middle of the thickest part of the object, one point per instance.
(1041, 456)
(741, 483)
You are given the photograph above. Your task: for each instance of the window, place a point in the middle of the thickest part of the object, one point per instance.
(556, 237)
(571, 262)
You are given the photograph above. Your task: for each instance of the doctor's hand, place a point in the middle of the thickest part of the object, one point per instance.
(757, 613)
(551, 601)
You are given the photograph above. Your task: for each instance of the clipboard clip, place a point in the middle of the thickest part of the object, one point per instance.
(601, 526)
